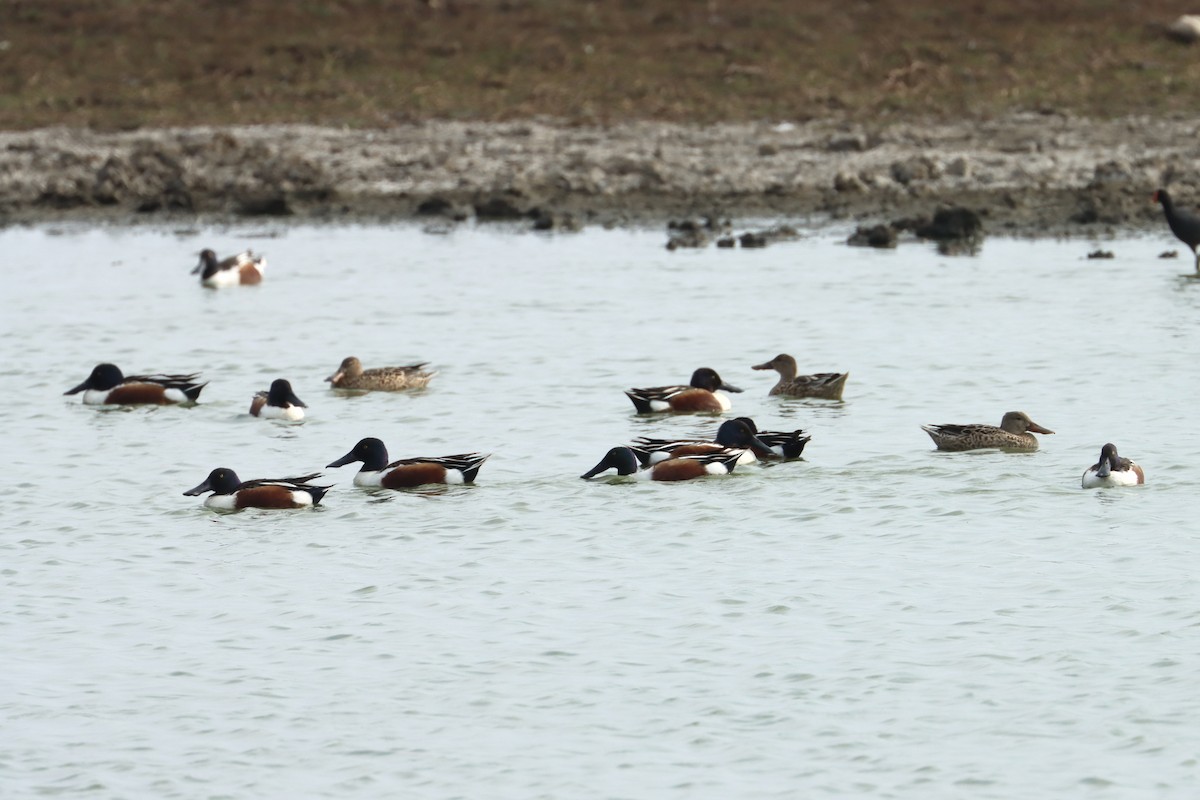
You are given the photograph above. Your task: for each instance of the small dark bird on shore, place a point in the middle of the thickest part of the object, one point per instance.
(1185, 225)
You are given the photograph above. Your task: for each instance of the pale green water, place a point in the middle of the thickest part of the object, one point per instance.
(879, 620)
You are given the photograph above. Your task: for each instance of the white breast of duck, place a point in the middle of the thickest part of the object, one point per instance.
(1112, 470)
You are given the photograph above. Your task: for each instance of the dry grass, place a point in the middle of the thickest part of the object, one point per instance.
(117, 64)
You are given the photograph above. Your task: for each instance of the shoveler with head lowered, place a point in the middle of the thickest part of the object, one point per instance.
(1014, 433)
(702, 394)
(734, 434)
(782, 444)
(351, 375)
(820, 385)
(1112, 470)
(230, 493)
(683, 468)
(377, 471)
(278, 402)
(243, 269)
(107, 385)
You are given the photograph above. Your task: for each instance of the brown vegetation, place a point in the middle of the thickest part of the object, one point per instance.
(124, 64)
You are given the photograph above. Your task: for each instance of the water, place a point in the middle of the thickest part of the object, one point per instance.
(878, 620)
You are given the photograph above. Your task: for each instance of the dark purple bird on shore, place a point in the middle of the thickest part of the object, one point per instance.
(1185, 225)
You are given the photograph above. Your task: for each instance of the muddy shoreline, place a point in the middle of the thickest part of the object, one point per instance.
(1025, 175)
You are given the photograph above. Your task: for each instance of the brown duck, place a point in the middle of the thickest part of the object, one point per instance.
(351, 375)
(823, 385)
(1014, 433)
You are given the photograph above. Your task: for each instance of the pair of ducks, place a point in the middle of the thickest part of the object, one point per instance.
(703, 392)
(230, 493)
(280, 402)
(738, 441)
(1016, 433)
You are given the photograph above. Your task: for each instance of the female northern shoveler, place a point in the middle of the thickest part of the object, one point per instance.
(1185, 225)
(684, 468)
(822, 385)
(229, 493)
(1112, 470)
(242, 269)
(1013, 434)
(351, 375)
(107, 386)
(783, 444)
(733, 434)
(408, 472)
(700, 395)
(280, 402)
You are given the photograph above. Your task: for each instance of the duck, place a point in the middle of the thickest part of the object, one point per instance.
(230, 492)
(683, 468)
(734, 434)
(782, 444)
(700, 395)
(1112, 470)
(278, 402)
(1184, 224)
(1015, 433)
(406, 473)
(107, 385)
(351, 375)
(243, 269)
(821, 385)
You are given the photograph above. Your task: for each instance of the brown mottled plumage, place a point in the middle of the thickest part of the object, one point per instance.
(822, 385)
(351, 375)
(1013, 434)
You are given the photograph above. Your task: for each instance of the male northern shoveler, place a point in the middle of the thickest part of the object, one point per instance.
(1112, 470)
(243, 269)
(108, 386)
(351, 375)
(733, 434)
(280, 402)
(1184, 224)
(700, 395)
(1013, 434)
(783, 444)
(229, 493)
(408, 472)
(684, 468)
(822, 385)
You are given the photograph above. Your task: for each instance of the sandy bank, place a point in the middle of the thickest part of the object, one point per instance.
(1025, 175)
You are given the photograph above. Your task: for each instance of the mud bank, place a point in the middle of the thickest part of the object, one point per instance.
(1027, 175)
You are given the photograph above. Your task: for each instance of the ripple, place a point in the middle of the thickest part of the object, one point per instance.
(877, 619)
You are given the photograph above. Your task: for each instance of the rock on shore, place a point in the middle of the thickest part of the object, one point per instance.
(1025, 174)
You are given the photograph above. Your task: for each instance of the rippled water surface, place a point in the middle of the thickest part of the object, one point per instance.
(877, 620)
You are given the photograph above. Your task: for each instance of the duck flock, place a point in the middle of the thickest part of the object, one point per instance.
(737, 441)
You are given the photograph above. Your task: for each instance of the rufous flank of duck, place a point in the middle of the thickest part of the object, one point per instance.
(820, 385)
(107, 385)
(733, 434)
(229, 493)
(683, 468)
(351, 375)
(1184, 224)
(278, 402)
(1112, 470)
(243, 269)
(377, 471)
(1015, 432)
(702, 394)
(782, 444)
